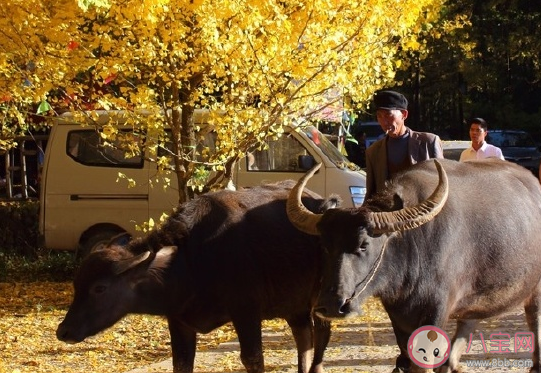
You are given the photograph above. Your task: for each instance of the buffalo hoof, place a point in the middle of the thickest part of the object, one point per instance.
(447, 369)
(400, 370)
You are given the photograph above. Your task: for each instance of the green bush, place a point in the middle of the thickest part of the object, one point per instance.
(19, 228)
(51, 266)
(22, 258)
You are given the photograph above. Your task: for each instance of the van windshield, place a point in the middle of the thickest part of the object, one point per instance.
(328, 148)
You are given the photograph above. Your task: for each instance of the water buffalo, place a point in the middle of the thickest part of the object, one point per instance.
(468, 251)
(224, 256)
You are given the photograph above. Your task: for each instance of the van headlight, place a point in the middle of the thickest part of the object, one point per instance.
(357, 195)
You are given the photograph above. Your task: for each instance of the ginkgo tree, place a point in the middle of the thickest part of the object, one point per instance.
(256, 66)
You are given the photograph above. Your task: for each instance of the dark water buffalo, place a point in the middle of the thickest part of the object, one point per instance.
(468, 251)
(225, 256)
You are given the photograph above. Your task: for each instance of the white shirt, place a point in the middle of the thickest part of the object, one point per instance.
(485, 151)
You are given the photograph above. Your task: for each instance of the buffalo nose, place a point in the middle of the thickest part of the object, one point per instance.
(346, 307)
(63, 334)
(338, 308)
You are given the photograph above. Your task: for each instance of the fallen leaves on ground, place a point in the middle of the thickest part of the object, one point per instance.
(31, 312)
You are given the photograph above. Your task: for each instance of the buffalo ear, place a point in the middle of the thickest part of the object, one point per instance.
(163, 257)
(127, 264)
(333, 202)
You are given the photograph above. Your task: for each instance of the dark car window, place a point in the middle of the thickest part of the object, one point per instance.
(511, 139)
(89, 148)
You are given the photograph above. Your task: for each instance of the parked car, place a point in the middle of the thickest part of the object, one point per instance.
(453, 148)
(518, 147)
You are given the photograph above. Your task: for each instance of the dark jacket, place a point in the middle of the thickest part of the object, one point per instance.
(421, 146)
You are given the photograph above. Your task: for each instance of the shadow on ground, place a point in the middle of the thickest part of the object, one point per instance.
(361, 347)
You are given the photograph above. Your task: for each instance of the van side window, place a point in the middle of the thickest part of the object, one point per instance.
(88, 148)
(282, 154)
(206, 144)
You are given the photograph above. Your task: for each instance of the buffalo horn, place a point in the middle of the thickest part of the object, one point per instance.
(302, 218)
(414, 216)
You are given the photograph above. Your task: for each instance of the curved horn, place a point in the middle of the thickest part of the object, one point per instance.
(415, 216)
(302, 218)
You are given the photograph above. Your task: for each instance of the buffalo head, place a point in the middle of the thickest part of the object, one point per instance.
(355, 241)
(111, 283)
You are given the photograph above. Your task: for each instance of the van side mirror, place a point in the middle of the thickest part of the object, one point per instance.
(306, 162)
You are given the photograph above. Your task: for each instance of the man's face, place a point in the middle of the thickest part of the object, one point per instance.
(392, 121)
(477, 133)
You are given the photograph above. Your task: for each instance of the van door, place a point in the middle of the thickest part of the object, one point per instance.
(82, 197)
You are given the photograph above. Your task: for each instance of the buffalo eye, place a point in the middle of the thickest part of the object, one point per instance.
(98, 289)
(436, 352)
(361, 249)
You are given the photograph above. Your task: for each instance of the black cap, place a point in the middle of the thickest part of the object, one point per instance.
(390, 100)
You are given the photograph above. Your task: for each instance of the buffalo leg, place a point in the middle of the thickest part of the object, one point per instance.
(251, 346)
(301, 327)
(437, 317)
(183, 345)
(460, 341)
(532, 310)
(322, 335)
(308, 338)
(402, 361)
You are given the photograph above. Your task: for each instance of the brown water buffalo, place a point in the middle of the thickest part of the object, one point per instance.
(224, 256)
(443, 240)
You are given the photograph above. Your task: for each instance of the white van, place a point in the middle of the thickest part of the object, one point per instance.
(83, 204)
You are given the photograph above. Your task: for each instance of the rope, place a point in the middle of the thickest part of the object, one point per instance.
(371, 274)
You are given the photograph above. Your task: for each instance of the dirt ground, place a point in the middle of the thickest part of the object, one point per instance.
(358, 346)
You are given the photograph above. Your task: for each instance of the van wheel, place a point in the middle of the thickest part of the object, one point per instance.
(96, 241)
